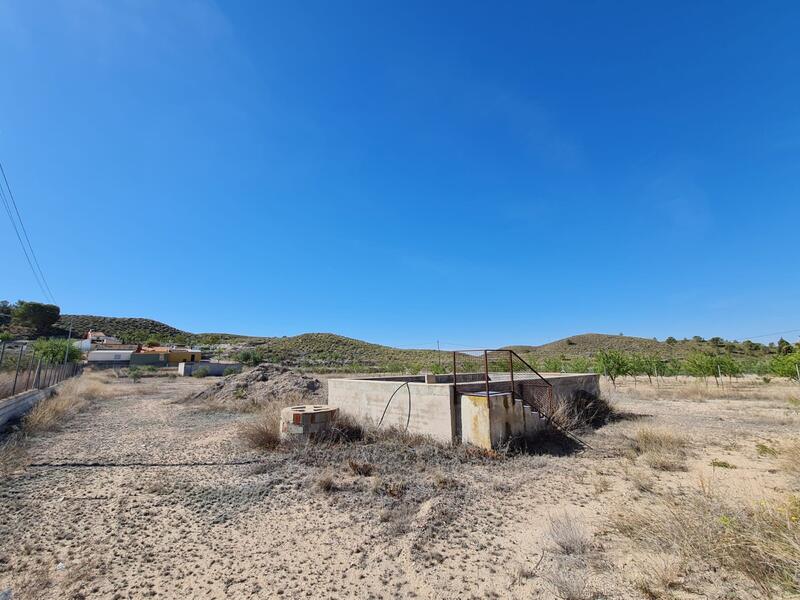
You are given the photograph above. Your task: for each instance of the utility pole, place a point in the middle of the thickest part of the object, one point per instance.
(66, 349)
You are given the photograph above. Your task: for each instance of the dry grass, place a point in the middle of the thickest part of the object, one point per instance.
(748, 387)
(761, 541)
(569, 534)
(660, 449)
(326, 483)
(569, 579)
(658, 574)
(790, 458)
(364, 469)
(581, 413)
(71, 397)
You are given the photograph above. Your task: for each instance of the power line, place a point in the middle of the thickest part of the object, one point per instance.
(48, 293)
(21, 243)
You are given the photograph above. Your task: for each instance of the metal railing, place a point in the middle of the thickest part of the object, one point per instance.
(503, 371)
(23, 369)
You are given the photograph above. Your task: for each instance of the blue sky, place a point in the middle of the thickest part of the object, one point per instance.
(478, 173)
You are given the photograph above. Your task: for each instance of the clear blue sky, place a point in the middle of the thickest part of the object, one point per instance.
(478, 173)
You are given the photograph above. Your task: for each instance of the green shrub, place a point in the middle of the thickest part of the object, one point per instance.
(251, 358)
(230, 371)
(201, 372)
(53, 350)
(135, 374)
(785, 365)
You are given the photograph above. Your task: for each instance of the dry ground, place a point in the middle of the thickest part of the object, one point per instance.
(141, 496)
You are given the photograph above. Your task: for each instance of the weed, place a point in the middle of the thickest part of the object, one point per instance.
(569, 533)
(722, 464)
(764, 450)
(326, 483)
(569, 579)
(364, 469)
(662, 450)
(262, 433)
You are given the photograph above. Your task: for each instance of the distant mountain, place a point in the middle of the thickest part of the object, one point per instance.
(589, 344)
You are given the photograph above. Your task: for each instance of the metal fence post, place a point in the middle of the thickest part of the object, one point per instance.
(38, 374)
(16, 373)
(30, 370)
(2, 352)
(486, 372)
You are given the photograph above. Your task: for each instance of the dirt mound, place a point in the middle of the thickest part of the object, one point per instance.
(262, 385)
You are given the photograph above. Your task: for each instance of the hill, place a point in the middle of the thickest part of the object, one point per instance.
(127, 328)
(331, 351)
(587, 345)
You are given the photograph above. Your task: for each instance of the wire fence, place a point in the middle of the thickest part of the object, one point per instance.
(23, 369)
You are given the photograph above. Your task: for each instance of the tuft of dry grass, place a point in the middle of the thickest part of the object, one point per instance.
(262, 433)
(70, 398)
(326, 483)
(760, 541)
(569, 579)
(364, 469)
(658, 574)
(660, 449)
(569, 533)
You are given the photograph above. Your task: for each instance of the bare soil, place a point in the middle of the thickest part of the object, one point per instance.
(145, 496)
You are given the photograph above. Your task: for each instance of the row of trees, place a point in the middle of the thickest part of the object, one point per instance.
(614, 364)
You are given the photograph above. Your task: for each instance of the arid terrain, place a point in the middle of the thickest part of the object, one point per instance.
(142, 494)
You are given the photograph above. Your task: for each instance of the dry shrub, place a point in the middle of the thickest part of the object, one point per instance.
(569, 533)
(761, 541)
(326, 483)
(71, 397)
(364, 469)
(569, 579)
(660, 449)
(579, 413)
(658, 573)
(641, 480)
(263, 432)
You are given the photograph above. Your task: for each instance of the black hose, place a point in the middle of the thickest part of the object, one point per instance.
(385, 408)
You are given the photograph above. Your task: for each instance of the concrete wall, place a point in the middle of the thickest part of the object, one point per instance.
(436, 410)
(431, 404)
(215, 369)
(16, 406)
(489, 422)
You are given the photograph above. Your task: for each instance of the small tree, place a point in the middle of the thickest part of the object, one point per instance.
(54, 350)
(152, 341)
(784, 347)
(36, 315)
(671, 340)
(613, 364)
(250, 358)
(700, 364)
(135, 374)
